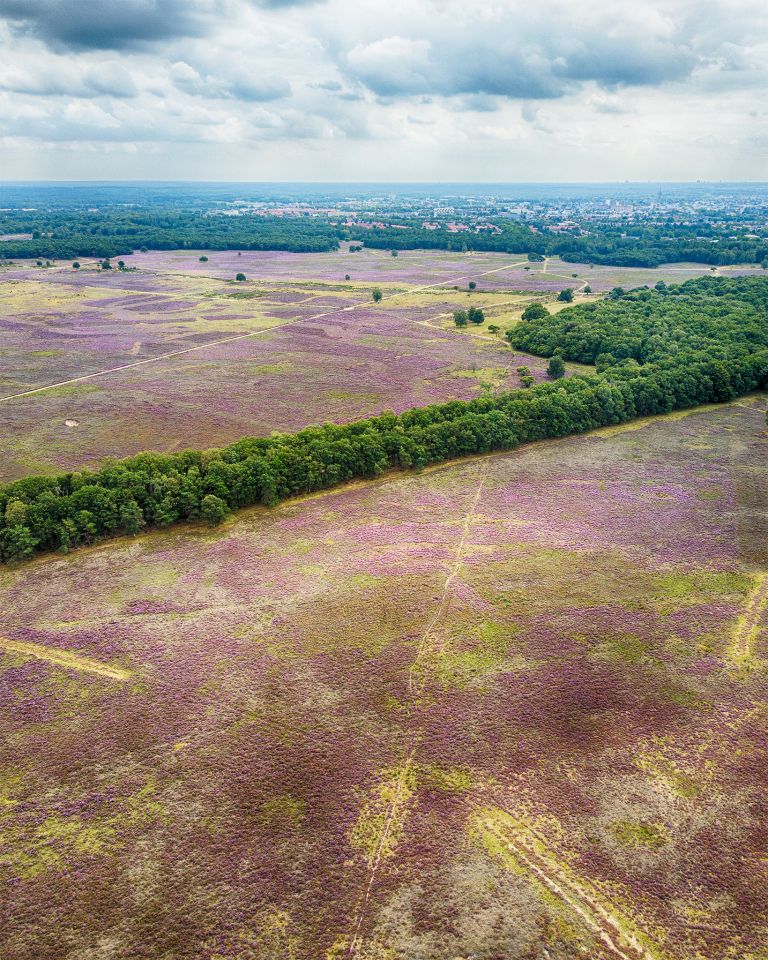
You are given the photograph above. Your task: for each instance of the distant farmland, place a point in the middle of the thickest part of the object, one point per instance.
(511, 707)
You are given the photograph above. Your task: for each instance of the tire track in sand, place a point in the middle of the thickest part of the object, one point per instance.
(529, 850)
(748, 623)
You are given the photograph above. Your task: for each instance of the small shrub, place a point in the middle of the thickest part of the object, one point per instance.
(213, 509)
(556, 367)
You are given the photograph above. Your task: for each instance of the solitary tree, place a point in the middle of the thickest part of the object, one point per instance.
(346, 276)
(203, 259)
(121, 264)
(75, 265)
(377, 294)
(492, 328)
(472, 285)
(475, 315)
(393, 252)
(240, 277)
(587, 289)
(106, 265)
(556, 367)
(565, 296)
(460, 318)
(535, 311)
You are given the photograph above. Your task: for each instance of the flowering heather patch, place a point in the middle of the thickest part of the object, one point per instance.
(493, 709)
(324, 361)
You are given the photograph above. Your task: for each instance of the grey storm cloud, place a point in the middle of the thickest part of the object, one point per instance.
(105, 24)
(627, 62)
(548, 69)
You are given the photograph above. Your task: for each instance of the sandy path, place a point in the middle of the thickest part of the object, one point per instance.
(63, 658)
(416, 681)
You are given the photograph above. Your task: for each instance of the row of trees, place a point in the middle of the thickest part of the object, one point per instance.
(114, 231)
(712, 347)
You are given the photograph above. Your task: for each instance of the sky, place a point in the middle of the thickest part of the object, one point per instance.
(386, 90)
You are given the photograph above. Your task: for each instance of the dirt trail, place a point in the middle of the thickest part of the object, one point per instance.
(749, 622)
(416, 682)
(529, 849)
(427, 641)
(381, 845)
(64, 658)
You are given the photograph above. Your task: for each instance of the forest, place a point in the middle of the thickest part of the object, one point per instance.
(618, 243)
(655, 350)
(66, 234)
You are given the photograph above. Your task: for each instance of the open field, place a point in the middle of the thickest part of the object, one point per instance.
(176, 354)
(511, 707)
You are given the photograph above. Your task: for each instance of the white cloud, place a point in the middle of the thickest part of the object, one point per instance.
(434, 89)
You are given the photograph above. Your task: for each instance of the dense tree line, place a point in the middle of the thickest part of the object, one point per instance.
(674, 347)
(617, 243)
(713, 317)
(65, 235)
(116, 231)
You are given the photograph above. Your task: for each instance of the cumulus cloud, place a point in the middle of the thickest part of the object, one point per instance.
(67, 79)
(412, 88)
(237, 84)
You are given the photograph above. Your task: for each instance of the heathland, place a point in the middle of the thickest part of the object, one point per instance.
(294, 344)
(508, 706)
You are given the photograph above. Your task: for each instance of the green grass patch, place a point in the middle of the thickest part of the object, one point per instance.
(283, 811)
(631, 833)
(702, 584)
(623, 647)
